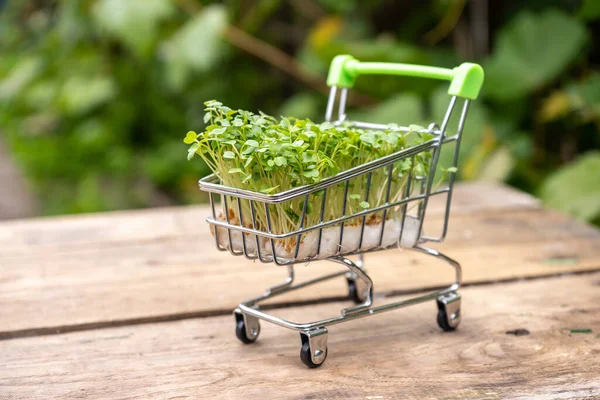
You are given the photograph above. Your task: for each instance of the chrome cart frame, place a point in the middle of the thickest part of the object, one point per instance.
(314, 334)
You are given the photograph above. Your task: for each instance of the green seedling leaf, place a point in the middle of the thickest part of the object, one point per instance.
(292, 214)
(364, 204)
(192, 150)
(427, 136)
(416, 128)
(309, 157)
(419, 170)
(354, 196)
(218, 131)
(268, 190)
(190, 137)
(309, 207)
(247, 178)
(229, 155)
(313, 173)
(280, 161)
(405, 164)
(235, 170)
(248, 150)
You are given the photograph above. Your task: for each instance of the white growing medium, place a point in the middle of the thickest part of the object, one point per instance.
(330, 242)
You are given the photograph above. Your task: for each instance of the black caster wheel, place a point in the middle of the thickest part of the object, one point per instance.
(448, 316)
(305, 353)
(242, 335)
(354, 294)
(442, 320)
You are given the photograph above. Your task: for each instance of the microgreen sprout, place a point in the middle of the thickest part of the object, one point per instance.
(260, 153)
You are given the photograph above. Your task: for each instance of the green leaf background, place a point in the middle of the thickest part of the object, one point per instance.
(575, 189)
(531, 51)
(95, 95)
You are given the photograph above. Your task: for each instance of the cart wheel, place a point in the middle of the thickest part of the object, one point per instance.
(442, 320)
(242, 335)
(305, 353)
(448, 316)
(354, 294)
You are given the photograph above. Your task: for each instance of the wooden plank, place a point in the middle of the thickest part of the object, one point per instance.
(401, 354)
(162, 223)
(82, 286)
(16, 201)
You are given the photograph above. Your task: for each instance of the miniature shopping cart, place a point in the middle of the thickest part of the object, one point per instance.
(259, 242)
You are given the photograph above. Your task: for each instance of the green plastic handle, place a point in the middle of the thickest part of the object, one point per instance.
(465, 80)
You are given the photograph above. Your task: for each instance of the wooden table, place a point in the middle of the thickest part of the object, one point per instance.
(138, 304)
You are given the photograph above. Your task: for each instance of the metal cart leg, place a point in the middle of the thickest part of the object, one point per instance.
(448, 304)
(314, 334)
(362, 283)
(285, 285)
(358, 289)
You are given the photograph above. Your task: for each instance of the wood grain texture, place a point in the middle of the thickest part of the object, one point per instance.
(161, 223)
(162, 264)
(398, 355)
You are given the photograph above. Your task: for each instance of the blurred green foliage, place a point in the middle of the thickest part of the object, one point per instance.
(95, 95)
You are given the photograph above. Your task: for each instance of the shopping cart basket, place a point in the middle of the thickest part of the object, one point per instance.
(236, 222)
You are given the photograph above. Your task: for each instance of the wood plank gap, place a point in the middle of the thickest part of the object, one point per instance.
(57, 330)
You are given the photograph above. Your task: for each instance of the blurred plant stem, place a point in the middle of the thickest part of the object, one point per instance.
(480, 27)
(275, 57)
(309, 8)
(446, 24)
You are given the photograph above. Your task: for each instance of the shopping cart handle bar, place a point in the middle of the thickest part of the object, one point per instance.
(465, 80)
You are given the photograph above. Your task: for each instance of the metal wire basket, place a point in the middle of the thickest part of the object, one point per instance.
(243, 224)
